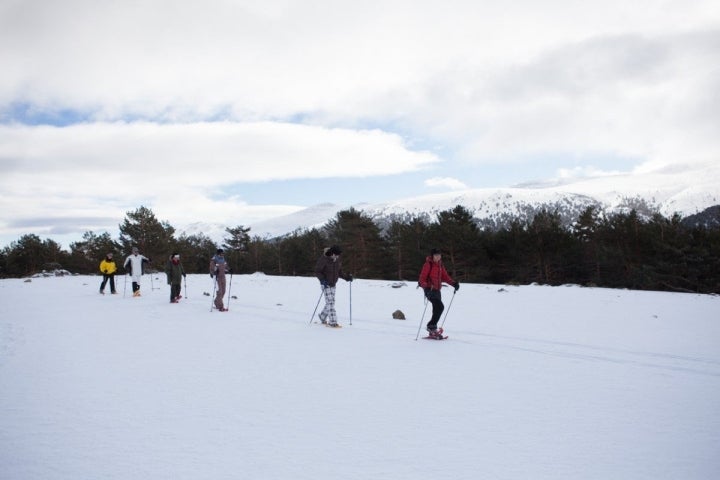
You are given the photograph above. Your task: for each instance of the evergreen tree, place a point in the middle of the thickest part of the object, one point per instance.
(29, 255)
(195, 252)
(86, 255)
(585, 231)
(236, 246)
(363, 247)
(458, 236)
(510, 254)
(154, 238)
(259, 257)
(550, 246)
(622, 250)
(407, 239)
(300, 251)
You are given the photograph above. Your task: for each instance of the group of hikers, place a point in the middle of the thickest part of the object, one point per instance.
(328, 270)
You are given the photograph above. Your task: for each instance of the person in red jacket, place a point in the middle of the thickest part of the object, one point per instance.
(431, 277)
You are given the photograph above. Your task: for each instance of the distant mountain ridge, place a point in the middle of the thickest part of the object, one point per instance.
(495, 208)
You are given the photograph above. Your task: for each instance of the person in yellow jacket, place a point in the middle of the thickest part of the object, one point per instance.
(108, 269)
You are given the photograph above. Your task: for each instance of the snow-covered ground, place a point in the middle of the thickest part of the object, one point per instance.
(534, 383)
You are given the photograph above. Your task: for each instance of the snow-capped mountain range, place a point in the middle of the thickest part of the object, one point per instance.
(666, 192)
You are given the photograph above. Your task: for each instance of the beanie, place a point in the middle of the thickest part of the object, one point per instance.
(334, 250)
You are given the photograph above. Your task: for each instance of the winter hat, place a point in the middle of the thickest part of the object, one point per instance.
(435, 251)
(334, 250)
(175, 255)
(135, 250)
(219, 251)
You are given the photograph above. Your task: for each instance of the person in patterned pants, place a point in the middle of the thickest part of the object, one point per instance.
(328, 270)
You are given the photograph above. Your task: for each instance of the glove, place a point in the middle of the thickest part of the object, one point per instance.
(349, 278)
(457, 286)
(323, 283)
(105, 272)
(184, 275)
(211, 275)
(427, 292)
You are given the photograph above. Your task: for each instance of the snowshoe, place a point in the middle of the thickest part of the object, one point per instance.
(436, 335)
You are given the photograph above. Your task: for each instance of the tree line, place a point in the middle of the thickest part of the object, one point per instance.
(622, 250)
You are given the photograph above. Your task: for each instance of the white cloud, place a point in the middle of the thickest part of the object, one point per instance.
(585, 172)
(446, 182)
(103, 170)
(200, 154)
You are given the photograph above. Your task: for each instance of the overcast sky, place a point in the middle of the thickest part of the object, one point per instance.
(238, 110)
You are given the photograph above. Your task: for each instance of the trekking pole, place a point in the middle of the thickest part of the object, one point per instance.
(448, 309)
(350, 303)
(421, 319)
(185, 281)
(316, 306)
(125, 286)
(212, 298)
(229, 290)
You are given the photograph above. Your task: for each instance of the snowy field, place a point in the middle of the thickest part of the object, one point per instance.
(534, 383)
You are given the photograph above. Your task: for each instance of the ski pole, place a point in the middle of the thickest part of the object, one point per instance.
(185, 281)
(350, 303)
(448, 309)
(316, 306)
(229, 290)
(421, 319)
(125, 286)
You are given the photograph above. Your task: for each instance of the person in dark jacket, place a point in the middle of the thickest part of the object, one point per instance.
(328, 270)
(432, 276)
(175, 273)
(218, 269)
(108, 267)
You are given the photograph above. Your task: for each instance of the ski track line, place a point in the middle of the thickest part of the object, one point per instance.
(676, 363)
(604, 349)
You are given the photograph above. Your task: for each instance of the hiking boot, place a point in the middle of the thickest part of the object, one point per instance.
(333, 324)
(323, 320)
(434, 333)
